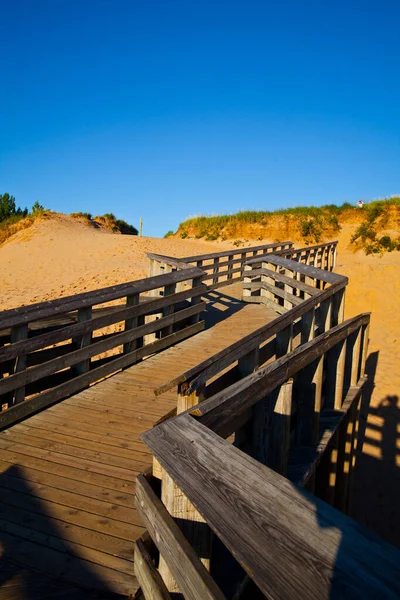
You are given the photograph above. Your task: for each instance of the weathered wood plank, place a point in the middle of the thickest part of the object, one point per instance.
(314, 552)
(193, 579)
(148, 577)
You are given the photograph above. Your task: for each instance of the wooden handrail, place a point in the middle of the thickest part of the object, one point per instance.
(189, 259)
(199, 374)
(37, 367)
(177, 263)
(33, 312)
(308, 270)
(219, 412)
(293, 545)
(315, 247)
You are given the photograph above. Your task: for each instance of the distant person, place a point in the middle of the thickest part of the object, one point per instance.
(360, 204)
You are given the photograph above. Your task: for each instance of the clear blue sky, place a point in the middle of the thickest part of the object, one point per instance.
(165, 109)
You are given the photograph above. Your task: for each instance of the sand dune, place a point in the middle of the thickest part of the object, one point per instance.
(60, 256)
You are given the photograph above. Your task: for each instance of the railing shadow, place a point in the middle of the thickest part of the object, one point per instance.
(36, 558)
(376, 495)
(220, 306)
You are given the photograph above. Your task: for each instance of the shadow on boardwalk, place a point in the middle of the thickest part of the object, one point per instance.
(220, 306)
(32, 548)
(376, 497)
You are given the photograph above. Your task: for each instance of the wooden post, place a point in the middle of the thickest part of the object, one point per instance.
(246, 292)
(132, 300)
(325, 316)
(140, 226)
(284, 341)
(168, 310)
(308, 399)
(269, 280)
(355, 359)
(335, 368)
(365, 339)
(325, 481)
(345, 446)
(242, 263)
(215, 271)
(195, 300)
(289, 289)
(246, 365)
(338, 307)
(353, 455)
(179, 506)
(84, 314)
(18, 333)
(307, 326)
(271, 428)
(230, 267)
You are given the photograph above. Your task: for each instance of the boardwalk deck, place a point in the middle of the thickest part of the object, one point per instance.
(67, 475)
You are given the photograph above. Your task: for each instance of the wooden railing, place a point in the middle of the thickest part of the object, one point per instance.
(220, 268)
(269, 497)
(307, 310)
(322, 256)
(283, 283)
(53, 349)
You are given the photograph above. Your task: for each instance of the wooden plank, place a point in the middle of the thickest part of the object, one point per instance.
(75, 462)
(193, 579)
(42, 478)
(29, 407)
(314, 552)
(60, 563)
(148, 577)
(27, 461)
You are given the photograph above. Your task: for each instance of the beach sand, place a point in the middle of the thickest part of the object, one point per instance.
(60, 256)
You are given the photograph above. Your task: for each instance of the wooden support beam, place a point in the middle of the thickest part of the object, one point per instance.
(149, 579)
(133, 300)
(179, 506)
(18, 333)
(84, 314)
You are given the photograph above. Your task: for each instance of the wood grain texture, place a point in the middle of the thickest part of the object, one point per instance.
(291, 544)
(193, 579)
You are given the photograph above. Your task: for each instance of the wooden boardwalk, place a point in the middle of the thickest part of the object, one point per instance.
(67, 474)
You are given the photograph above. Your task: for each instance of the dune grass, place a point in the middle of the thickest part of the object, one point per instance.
(310, 223)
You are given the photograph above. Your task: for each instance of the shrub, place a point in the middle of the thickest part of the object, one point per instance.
(169, 234)
(9, 210)
(37, 209)
(81, 215)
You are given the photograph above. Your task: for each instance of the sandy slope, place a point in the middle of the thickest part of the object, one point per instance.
(60, 256)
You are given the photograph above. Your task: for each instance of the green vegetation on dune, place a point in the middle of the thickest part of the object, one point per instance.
(312, 222)
(108, 220)
(309, 224)
(14, 218)
(381, 217)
